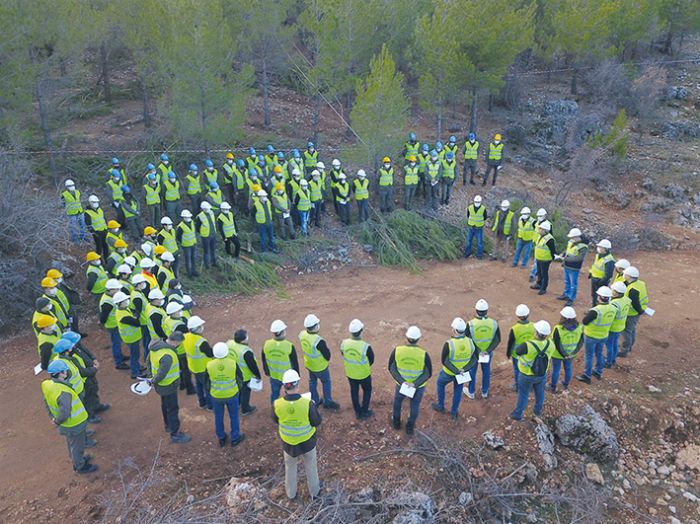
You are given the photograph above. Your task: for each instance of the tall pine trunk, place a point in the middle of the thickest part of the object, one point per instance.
(44, 124)
(104, 73)
(438, 119)
(145, 99)
(316, 121)
(265, 84)
(574, 82)
(472, 116)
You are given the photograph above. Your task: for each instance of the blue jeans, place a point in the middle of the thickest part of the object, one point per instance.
(556, 369)
(304, 222)
(522, 248)
(220, 404)
(594, 346)
(611, 347)
(485, 378)
(516, 371)
(533, 272)
(134, 356)
(478, 233)
(267, 236)
(571, 283)
(525, 383)
(116, 341)
(201, 385)
(275, 387)
(77, 226)
(415, 405)
(209, 248)
(442, 381)
(190, 260)
(146, 337)
(325, 378)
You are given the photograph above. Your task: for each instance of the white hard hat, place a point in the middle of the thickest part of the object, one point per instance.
(543, 328)
(295, 171)
(166, 221)
(522, 310)
(413, 333)
(304, 182)
(277, 326)
(225, 206)
(93, 199)
(336, 162)
(361, 173)
(356, 326)
(477, 199)
(311, 320)
(605, 243)
(458, 324)
(342, 176)
(138, 278)
(619, 287)
(168, 257)
(206, 206)
(69, 183)
(262, 193)
(220, 350)
(631, 272)
(574, 232)
(113, 283)
(119, 297)
(130, 260)
(623, 264)
(541, 212)
(186, 213)
(290, 377)
(173, 307)
(186, 299)
(320, 165)
(194, 322)
(568, 312)
(482, 305)
(525, 211)
(155, 294)
(546, 225)
(124, 268)
(604, 291)
(147, 247)
(505, 204)
(146, 263)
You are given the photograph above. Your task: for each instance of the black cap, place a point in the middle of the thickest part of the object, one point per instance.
(41, 303)
(240, 335)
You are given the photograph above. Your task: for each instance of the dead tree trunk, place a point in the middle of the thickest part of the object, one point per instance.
(472, 117)
(104, 73)
(145, 99)
(265, 84)
(438, 119)
(44, 124)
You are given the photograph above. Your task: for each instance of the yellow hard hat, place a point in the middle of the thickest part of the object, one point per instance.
(92, 256)
(159, 250)
(148, 230)
(43, 321)
(53, 273)
(497, 136)
(113, 224)
(229, 156)
(279, 187)
(48, 282)
(412, 158)
(256, 187)
(277, 169)
(386, 159)
(119, 243)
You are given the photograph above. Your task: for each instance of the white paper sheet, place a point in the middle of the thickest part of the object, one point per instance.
(484, 358)
(649, 311)
(307, 395)
(407, 391)
(255, 384)
(37, 369)
(463, 378)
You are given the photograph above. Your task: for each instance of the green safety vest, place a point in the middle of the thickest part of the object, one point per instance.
(72, 200)
(411, 149)
(169, 326)
(277, 355)
(410, 362)
(568, 340)
(215, 198)
(640, 286)
(386, 177)
(229, 172)
(423, 160)
(452, 149)
(58, 311)
(526, 229)
(52, 390)
(542, 252)
(361, 189)
(206, 224)
(189, 237)
(172, 190)
(495, 152)
(461, 355)
(598, 267)
(448, 169)
(600, 327)
(574, 248)
(507, 223)
(143, 315)
(343, 191)
(111, 322)
(526, 361)
(135, 205)
(622, 306)
(227, 224)
(471, 151)
(155, 355)
(152, 194)
(316, 189)
(193, 185)
(128, 333)
(477, 217)
(304, 203)
(523, 332)
(74, 380)
(196, 360)
(238, 351)
(169, 276)
(482, 331)
(150, 311)
(99, 286)
(222, 377)
(410, 175)
(313, 360)
(293, 419)
(282, 203)
(355, 361)
(116, 189)
(433, 170)
(61, 296)
(163, 171)
(310, 159)
(211, 176)
(97, 219)
(263, 212)
(168, 239)
(42, 338)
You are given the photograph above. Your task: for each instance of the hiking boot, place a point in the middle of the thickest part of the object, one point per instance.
(180, 438)
(332, 405)
(101, 408)
(534, 286)
(583, 378)
(437, 407)
(90, 443)
(396, 423)
(222, 442)
(562, 297)
(367, 414)
(542, 292)
(87, 468)
(122, 366)
(95, 419)
(251, 409)
(235, 442)
(410, 428)
(597, 375)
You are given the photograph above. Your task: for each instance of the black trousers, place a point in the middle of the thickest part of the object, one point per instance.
(236, 246)
(185, 375)
(595, 284)
(543, 274)
(244, 397)
(100, 238)
(355, 385)
(92, 396)
(170, 409)
(489, 168)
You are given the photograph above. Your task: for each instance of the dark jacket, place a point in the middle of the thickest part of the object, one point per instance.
(422, 378)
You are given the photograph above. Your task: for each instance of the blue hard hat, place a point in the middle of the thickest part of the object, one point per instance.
(126, 188)
(472, 137)
(214, 186)
(151, 176)
(270, 149)
(209, 163)
(411, 136)
(115, 173)
(425, 147)
(164, 157)
(240, 162)
(438, 145)
(261, 158)
(295, 153)
(251, 151)
(453, 138)
(280, 155)
(115, 161)
(171, 175)
(310, 145)
(433, 153)
(252, 172)
(62, 346)
(193, 167)
(56, 366)
(150, 167)
(450, 155)
(72, 337)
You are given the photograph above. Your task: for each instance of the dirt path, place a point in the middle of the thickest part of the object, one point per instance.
(37, 483)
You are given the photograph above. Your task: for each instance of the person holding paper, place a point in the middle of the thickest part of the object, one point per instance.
(358, 358)
(486, 334)
(317, 355)
(198, 352)
(224, 381)
(459, 356)
(622, 305)
(411, 368)
(533, 361)
(239, 349)
(278, 355)
(521, 332)
(637, 293)
(568, 339)
(297, 418)
(597, 324)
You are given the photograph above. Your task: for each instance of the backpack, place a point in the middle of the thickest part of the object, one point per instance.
(541, 362)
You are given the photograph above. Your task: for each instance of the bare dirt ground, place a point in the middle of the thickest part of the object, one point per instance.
(37, 483)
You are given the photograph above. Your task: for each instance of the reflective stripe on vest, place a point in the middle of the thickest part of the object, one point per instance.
(112, 318)
(568, 339)
(128, 333)
(386, 177)
(461, 353)
(116, 190)
(193, 185)
(310, 159)
(52, 391)
(206, 224)
(97, 219)
(313, 359)
(277, 355)
(542, 252)
(507, 222)
(304, 203)
(477, 217)
(449, 169)
(622, 306)
(172, 190)
(361, 189)
(526, 361)
(526, 229)
(411, 175)
(152, 194)
(263, 212)
(222, 377)
(355, 361)
(188, 237)
(72, 200)
(598, 267)
(293, 418)
(168, 240)
(482, 331)
(600, 327)
(471, 151)
(641, 287)
(196, 360)
(316, 190)
(75, 380)
(238, 351)
(227, 224)
(411, 149)
(211, 176)
(433, 169)
(495, 151)
(410, 362)
(173, 373)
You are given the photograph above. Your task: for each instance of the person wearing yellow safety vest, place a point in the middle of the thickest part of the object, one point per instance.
(304, 205)
(116, 257)
(342, 197)
(108, 319)
(602, 268)
(228, 231)
(116, 166)
(198, 352)
(494, 159)
(129, 329)
(116, 193)
(596, 328)
(225, 379)
(297, 418)
(533, 361)
(61, 351)
(310, 159)
(113, 234)
(132, 214)
(334, 175)
(471, 155)
(572, 258)
(153, 194)
(619, 273)
(410, 148)
(638, 294)
(167, 237)
(296, 162)
(358, 358)
(148, 266)
(155, 315)
(176, 322)
(240, 351)
(410, 367)
(423, 158)
(229, 177)
(186, 238)
(459, 357)
(193, 186)
(68, 413)
(568, 339)
(42, 307)
(50, 292)
(521, 332)
(68, 297)
(622, 305)
(360, 187)
(433, 172)
(215, 197)
(278, 355)
(210, 174)
(449, 172)
(283, 212)
(317, 356)
(476, 220)
(486, 334)
(263, 219)
(541, 217)
(205, 223)
(502, 227)
(96, 224)
(545, 250)
(164, 168)
(386, 186)
(74, 211)
(140, 305)
(410, 181)
(171, 195)
(165, 273)
(283, 165)
(315, 186)
(452, 147)
(47, 334)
